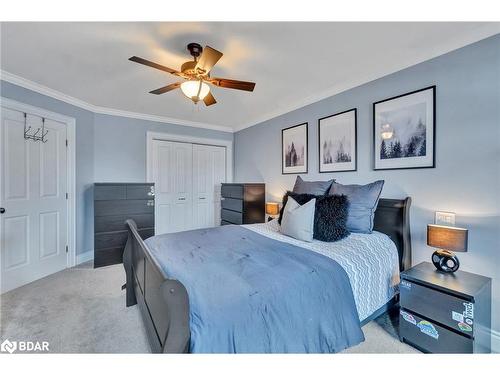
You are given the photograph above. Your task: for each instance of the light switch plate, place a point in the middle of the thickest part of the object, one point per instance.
(444, 218)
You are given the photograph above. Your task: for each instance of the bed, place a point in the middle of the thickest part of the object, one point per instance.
(272, 318)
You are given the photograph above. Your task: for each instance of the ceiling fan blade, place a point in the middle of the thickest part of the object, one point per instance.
(209, 99)
(151, 64)
(207, 60)
(167, 88)
(233, 84)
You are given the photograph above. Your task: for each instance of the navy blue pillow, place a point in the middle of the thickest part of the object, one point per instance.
(330, 216)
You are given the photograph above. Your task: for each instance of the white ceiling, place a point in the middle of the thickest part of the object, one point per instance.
(292, 63)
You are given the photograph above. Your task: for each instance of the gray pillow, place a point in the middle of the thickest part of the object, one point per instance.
(298, 221)
(363, 200)
(311, 187)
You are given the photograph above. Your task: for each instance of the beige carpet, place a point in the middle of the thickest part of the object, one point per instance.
(82, 310)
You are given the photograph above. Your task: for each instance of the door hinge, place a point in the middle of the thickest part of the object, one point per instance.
(66, 248)
(66, 143)
(67, 195)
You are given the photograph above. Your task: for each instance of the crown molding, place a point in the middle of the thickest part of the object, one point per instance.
(44, 90)
(294, 106)
(47, 91)
(361, 80)
(311, 99)
(325, 94)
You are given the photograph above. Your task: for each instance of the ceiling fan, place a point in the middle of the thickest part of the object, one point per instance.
(197, 75)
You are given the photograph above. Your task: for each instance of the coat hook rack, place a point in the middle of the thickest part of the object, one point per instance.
(34, 135)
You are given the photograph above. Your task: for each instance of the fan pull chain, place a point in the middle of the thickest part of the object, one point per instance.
(199, 91)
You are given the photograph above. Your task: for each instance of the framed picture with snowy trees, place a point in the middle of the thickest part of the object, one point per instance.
(404, 130)
(294, 149)
(337, 142)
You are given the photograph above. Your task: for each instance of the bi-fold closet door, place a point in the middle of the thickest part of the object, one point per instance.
(209, 171)
(187, 181)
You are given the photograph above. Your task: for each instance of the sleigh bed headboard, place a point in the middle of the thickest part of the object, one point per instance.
(392, 217)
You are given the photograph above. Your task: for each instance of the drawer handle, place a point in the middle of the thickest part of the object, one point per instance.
(150, 203)
(202, 198)
(223, 199)
(182, 199)
(151, 194)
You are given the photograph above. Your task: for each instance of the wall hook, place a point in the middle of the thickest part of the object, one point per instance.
(34, 136)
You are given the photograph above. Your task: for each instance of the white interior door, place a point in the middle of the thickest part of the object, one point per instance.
(172, 175)
(33, 227)
(209, 171)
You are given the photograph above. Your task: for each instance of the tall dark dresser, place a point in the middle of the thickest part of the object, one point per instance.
(113, 204)
(243, 203)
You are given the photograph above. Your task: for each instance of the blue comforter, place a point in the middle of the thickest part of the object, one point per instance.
(252, 294)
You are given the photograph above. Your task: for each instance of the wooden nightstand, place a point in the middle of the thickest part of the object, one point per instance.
(443, 312)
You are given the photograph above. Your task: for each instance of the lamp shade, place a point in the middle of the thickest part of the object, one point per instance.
(272, 208)
(447, 238)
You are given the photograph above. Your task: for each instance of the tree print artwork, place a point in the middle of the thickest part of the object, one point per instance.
(337, 142)
(404, 129)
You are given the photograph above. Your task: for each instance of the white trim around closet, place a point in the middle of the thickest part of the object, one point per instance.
(71, 165)
(151, 136)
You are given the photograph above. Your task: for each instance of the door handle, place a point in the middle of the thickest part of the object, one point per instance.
(2, 210)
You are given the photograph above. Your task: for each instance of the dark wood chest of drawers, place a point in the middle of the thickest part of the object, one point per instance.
(113, 204)
(445, 313)
(243, 203)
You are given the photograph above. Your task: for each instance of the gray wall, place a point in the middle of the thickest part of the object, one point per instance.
(120, 146)
(466, 179)
(84, 155)
(108, 149)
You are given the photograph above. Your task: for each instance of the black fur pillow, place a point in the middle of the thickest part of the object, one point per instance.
(330, 216)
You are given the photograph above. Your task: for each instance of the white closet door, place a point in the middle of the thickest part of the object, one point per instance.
(172, 174)
(209, 171)
(219, 173)
(33, 228)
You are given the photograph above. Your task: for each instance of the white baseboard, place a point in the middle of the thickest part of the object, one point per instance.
(84, 257)
(495, 341)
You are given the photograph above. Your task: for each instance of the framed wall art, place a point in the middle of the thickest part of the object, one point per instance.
(404, 130)
(337, 147)
(294, 149)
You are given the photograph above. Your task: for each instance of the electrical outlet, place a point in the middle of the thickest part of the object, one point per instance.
(444, 218)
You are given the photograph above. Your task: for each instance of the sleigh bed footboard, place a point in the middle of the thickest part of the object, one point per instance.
(163, 302)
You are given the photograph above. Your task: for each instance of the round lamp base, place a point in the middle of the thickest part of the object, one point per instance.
(445, 261)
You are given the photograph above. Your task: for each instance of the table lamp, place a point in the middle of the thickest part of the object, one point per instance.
(272, 209)
(446, 240)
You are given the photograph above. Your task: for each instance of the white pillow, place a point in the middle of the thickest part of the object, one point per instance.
(298, 221)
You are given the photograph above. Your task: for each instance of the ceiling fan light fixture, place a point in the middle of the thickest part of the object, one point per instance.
(197, 73)
(195, 90)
